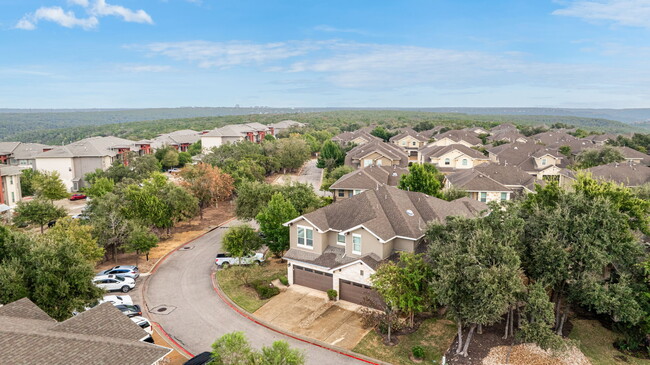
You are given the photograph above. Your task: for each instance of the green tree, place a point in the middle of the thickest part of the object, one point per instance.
(110, 225)
(252, 196)
(278, 211)
(68, 229)
(291, 153)
(52, 271)
(565, 150)
(195, 148)
(48, 185)
(100, 187)
(143, 166)
(234, 349)
(423, 178)
(37, 211)
(280, 353)
(140, 241)
(27, 181)
(453, 194)
(596, 157)
(331, 156)
(170, 159)
(184, 158)
(241, 241)
(383, 133)
(538, 319)
(208, 184)
(334, 175)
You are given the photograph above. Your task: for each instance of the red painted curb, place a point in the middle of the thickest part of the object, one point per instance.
(172, 340)
(254, 320)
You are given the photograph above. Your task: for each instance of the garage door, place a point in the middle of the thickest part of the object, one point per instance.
(358, 293)
(312, 278)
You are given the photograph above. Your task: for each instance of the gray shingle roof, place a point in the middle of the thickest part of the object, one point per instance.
(347, 137)
(9, 170)
(331, 258)
(370, 177)
(388, 212)
(237, 130)
(409, 132)
(388, 150)
(90, 147)
(459, 135)
(551, 137)
(437, 151)
(622, 173)
(101, 335)
(473, 180)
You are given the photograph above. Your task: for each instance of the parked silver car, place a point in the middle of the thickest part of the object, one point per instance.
(127, 271)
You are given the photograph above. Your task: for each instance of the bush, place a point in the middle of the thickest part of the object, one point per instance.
(284, 280)
(265, 289)
(332, 294)
(418, 352)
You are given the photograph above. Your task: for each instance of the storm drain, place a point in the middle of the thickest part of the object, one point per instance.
(186, 248)
(162, 309)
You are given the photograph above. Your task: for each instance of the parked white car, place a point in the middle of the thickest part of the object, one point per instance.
(225, 259)
(143, 323)
(128, 271)
(114, 282)
(117, 299)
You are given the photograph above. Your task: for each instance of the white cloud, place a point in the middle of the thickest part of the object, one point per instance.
(68, 19)
(330, 29)
(100, 8)
(635, 13)
(57, 15)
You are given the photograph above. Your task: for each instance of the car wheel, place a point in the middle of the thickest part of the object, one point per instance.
(125, 289)
(258, 262)
(225, 265)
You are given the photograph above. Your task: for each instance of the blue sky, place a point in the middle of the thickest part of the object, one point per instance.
(170, 53)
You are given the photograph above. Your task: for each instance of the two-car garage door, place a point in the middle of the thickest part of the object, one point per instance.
(312, 278)
(357, 293)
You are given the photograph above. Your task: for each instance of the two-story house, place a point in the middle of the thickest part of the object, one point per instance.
(535, 159)
(491, 182)
(21, 154)
(377, 153)
(364, 179)
(469, 139)
(252, 132)
(10, 193)
(411, 141)
(451, 157)
(340, 246)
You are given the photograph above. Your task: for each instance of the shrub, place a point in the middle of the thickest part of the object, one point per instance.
(265, 289)
(284, 280)
(418, 352)
(332, 294)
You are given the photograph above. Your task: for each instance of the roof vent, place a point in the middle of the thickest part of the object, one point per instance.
(394, 174)
(409, 213)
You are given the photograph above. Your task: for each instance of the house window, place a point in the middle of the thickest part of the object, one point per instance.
(361, 272)
(464, 162)
(13, 197)
(504, 196)
(356, 244)
(340, 239)
(378, 162)
(367, 163)
(415, 143)
(484, 197)
(11, 180)
(403, 143)
(356, 191)
(305, 237)
(543, 162)
(341, 193)
(447, 161)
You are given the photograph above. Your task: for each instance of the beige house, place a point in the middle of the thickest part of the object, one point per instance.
(253, 132)
(452, 157)
(466, 138)
(75, 160)
(368, 178)
(491, 182)
(411, 141)
(10, 193)
(535, 159)
(340, 246)
(377, 153)
(358, 137)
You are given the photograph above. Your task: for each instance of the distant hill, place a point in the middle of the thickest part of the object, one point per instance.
(335, 118)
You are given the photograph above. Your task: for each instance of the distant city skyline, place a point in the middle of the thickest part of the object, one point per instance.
(170, 53)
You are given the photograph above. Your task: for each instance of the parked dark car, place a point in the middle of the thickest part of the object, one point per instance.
(130, 310)
(51, 224)
(200, 359)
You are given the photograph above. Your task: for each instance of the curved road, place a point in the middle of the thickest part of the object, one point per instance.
(196, 316)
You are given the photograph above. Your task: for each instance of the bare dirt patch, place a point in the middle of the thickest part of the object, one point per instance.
(183, 232)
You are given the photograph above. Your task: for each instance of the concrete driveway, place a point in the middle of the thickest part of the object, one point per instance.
(310, 313)
(180, 297)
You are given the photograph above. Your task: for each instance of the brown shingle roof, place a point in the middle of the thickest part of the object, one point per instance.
(24, 308)
(370, 177)
(409, 132)
(437, 151)
(622, 173)
(388, 150)
(458, 135)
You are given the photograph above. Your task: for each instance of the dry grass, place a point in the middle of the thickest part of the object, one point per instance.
(596, 341)
(434, 335)
(180, 234)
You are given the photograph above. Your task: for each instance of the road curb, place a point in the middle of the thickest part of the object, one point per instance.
(241, 311)
(143, 287)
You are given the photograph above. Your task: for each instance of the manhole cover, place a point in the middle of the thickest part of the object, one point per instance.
(162, 309)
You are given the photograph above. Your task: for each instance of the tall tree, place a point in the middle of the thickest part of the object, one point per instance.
(292, 153)
(100, 187)
(37, 211)
(48, 185)
(140, 241)
(331, 156)
(278, 211)
(423, 178)
(241, 241)
(234, 349)
(170, 158)
(110, 224)
(208, 184)
(68, 229)
(27, 181)
(597, 157)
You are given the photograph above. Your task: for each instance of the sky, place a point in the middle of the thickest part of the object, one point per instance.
(312, 53)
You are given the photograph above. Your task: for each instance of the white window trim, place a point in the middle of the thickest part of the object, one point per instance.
(305, 228)
(337, 239)
(360, 243)
(356, 192)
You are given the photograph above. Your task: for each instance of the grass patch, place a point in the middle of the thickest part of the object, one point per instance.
(596, 342)
(434, 336)
(231, 283)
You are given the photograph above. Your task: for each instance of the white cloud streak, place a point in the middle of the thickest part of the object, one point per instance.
(634, 13)
(68, 19)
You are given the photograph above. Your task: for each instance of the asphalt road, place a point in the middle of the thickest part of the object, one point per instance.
(195, 316)
(310, 174)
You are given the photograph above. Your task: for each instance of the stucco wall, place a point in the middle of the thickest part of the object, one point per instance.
(374, 158)
(208, 142)
(63, 166)
(447, 142)
(11, 190)
(84, 165)
(318, 248)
